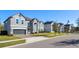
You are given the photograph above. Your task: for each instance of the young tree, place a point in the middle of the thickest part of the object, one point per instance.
(1, 27)
(55, 27)
(77, 22)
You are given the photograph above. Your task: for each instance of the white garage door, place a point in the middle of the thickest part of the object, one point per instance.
(19, 31)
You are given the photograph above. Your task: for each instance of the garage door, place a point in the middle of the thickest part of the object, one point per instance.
(19, 31)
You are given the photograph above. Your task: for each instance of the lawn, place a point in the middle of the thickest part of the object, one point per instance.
(50, 34)
(11, 40)
(11, 43)
(4, 38)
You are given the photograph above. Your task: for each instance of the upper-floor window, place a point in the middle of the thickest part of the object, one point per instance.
(29, 24)
(35, 23)
(22, 21)
(17, 21)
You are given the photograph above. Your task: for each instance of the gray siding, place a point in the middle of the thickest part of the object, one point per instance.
(7, 26)
(11, 24)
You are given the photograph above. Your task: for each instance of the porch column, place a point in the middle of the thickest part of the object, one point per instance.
(11, 31)
(26, 31)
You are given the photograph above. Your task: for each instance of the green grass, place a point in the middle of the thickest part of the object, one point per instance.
(4, 38)
(50, 34)
(11, 43)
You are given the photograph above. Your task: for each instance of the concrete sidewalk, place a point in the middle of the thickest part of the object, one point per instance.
(35, 39)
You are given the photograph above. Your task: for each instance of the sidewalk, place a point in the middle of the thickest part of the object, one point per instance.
(35, 39)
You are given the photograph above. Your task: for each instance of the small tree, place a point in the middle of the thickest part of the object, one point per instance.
(77, 21)
(1, 27)
(55, 27)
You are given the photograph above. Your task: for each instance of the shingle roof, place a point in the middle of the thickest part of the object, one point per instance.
(26, 18)
(20, 14)
(67, 25)
(8, 18)
(48, 22)
(35, 19)
(61, 23)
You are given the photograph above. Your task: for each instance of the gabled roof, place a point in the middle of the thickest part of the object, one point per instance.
(61, 23)
(8, 18)
(41, 22)
(34, 19)
(67, 24)
(20, 14)
(26, 18)
(48, 22)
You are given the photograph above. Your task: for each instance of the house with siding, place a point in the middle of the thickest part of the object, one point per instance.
(68, 28)
(61, 27)
(19, 24)
(48, 26)
(41, 26)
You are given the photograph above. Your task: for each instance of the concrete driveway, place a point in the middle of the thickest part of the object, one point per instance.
(66, 41)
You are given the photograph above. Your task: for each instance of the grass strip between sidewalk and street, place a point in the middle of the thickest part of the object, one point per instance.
(11, 43)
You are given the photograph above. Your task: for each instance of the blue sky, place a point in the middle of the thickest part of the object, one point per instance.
(44, 15)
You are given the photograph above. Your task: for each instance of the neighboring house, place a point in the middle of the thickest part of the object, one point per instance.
(61, 27)
(34, 25)
(41, 26)
(68, 28)
(48, 26)
(19, 24)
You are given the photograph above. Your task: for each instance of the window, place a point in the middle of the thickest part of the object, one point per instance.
(29, 24)
(17, 21)
(22, 21)
(35, 23)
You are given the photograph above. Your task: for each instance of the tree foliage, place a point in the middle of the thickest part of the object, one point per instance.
(1, 27)
(77, 22)
(55, 27)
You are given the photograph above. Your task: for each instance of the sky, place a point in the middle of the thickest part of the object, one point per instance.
(44, 15)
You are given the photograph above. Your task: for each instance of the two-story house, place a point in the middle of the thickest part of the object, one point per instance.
(68, 28)
(48, 26)
(19, 24)
(41, 26)
(61, 27)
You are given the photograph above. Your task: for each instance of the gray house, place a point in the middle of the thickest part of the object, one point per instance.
(68, 28)
(41, 26)
(48, 26)
(19, 24)
(61, 27)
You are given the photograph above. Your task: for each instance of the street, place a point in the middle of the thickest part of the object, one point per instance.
(65, 41)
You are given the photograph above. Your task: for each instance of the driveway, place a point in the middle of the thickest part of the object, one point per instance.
(66, 41)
